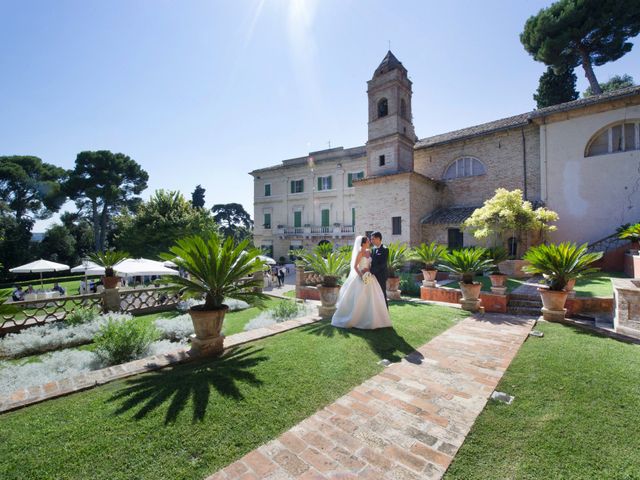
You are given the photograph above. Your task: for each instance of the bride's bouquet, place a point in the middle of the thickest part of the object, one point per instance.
(367, 278)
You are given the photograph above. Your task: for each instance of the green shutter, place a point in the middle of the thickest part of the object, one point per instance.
(301, 186)
(329, 187)
(350, 180)
(353, 217)
(267, 220)
(292, 183)
(325, 218)
(297, 219)
(267, 190)
(319, 183)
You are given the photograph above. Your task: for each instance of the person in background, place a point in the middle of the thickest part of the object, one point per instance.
(92, 286)
(281, 277)
(58, 288)
(18, 294)
(30, 290)
(83, 287)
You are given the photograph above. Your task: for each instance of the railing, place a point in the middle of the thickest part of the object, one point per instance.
(139, 301)
(607, 244)
(316, 231)
(39, 311)
(132, 300)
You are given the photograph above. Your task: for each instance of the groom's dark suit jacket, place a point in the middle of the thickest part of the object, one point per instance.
(379, 267)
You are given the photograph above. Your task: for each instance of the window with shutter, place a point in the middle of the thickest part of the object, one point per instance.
(325, 218)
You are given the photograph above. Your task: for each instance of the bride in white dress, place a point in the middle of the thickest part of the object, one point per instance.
(361, 304)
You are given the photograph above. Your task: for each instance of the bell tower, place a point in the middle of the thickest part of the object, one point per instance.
(391, 133)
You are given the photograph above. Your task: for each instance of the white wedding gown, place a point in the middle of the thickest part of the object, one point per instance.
(360, 305)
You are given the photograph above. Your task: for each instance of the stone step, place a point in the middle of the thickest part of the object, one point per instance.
(530, 312)
(523, 296)
(525, 303)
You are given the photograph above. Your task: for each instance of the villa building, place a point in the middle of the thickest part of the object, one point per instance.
(581, 159)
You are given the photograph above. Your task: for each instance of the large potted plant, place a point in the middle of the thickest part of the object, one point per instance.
(108, 260)
(559, 264)
(466, 262)
(217, 269)
(498, 279)
(398, 256)
(632, 233)
(429, 254)
(331, 267)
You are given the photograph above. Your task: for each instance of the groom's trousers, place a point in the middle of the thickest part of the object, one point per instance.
(382, 280)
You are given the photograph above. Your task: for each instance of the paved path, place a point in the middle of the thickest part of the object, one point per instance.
(405, 423)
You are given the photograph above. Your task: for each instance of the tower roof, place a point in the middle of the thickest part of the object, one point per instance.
(389, 62)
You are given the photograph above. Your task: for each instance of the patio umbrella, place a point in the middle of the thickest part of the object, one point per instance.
(267, 260)
(86, 266)
(142, 266)
(40, 266)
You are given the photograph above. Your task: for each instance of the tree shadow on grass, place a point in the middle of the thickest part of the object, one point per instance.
(172, 387)
(384, 342)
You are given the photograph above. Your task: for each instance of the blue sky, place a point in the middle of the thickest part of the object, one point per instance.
(202, 92)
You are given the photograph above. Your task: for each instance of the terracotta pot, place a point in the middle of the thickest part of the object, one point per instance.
(393, 288)
(470, 291)
(498, 279)
(553, 300)
(207, 323)
(429, 277)
(110, 282)
(328, 300)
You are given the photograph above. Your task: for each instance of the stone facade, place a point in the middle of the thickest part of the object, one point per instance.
(420, 187)
(285, 208)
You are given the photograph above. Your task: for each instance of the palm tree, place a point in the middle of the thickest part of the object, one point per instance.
(217, 269)
(466, 262)
(560, 263)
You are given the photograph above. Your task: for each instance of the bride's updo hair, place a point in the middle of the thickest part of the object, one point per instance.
(364, 240)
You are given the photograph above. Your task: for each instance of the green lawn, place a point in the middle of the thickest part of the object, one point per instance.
(576, 413)
(598, 285)
(189, 421)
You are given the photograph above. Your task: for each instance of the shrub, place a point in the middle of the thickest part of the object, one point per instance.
(53, 336)
(285, 310)
(175, 329)
(466, 262)
(120, 341)
(409, 286)
(81, 316)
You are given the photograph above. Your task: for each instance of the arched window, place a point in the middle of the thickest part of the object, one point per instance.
(403, 108)
(465, 167)
(383, 108)
(619, 137)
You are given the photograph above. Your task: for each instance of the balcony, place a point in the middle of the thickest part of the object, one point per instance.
(337, 231)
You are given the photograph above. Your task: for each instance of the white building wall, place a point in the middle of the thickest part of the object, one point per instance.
(592, 195)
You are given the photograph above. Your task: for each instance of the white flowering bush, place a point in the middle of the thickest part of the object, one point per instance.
(64, 364)
(234, 305)
(285, 310)
(53, 336)
(53, 366)
(175, 329)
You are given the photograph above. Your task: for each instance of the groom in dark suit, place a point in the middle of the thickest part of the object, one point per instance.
(379, 263)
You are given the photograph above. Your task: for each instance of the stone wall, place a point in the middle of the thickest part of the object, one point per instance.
(503, 155)
(406, 195)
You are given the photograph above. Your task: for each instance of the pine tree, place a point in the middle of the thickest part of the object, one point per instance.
(554, 89)
(197, 197)
(614, 83)
(582, 32)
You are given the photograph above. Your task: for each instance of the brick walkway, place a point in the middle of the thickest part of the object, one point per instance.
(405, 423)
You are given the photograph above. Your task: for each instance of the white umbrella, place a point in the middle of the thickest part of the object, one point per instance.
(169, 263)
(267, 260)
(40, 266)
(142, 266)
(86, 266)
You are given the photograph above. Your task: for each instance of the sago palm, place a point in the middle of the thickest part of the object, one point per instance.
(330, 268)
(560, 263)
(429, 254)
(108, 259)
(398, 256)
(217, 269)
(466, 262)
